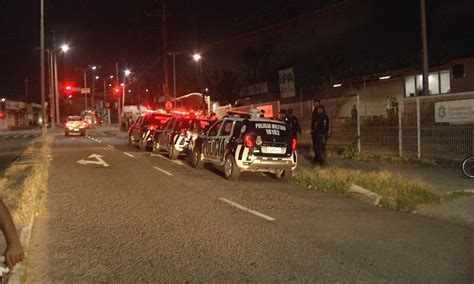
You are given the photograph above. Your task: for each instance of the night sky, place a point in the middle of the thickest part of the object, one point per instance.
(129, 32)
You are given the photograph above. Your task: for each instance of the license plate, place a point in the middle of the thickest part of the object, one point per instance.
(274, 150)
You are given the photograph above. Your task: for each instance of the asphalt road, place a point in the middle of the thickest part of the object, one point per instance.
(12, 143)
(144, 218)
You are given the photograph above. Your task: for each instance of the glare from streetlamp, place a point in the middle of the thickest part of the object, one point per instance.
(197, 57)
(129, 91)
(146, 90)
(110, 85)
(97, 77)
(127, 72)
(64, 47)
(3, 100)
(122, 84)
(111, 76)
(94, 67)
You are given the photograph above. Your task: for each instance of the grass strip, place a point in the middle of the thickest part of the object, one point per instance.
(407, 194)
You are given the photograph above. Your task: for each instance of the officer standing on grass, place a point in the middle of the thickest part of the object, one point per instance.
(321, 132)
(314, 118)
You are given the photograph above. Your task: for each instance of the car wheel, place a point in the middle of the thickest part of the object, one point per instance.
(142, 144)
(172, 153)
(156, 147)
(196, 158)
(284, 175)
(66, 133)
(83, 133)
(231, 171)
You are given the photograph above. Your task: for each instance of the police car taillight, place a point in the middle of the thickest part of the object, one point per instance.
(294, 144)
(249, 141)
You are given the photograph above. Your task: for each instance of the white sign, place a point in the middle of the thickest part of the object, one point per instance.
(85, 90)
(98, 160)
(461, 111)
(255, 89)
(287, 83)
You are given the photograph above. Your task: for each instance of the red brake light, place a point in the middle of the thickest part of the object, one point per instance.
(294, 144)
(249, 141)
(183, 131)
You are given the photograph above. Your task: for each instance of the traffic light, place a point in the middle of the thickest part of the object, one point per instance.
(1, 115)
(68, 89)
(117, 91)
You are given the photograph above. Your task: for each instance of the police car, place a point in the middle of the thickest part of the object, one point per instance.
(177, 134)
(247, 143)
(142, 130)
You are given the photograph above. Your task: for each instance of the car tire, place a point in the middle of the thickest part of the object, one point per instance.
(66, 133)
(284, 175)
(231, 171)
(195, 158)
(142, 144)
(83, 133)
(172, 153)
(156, 147)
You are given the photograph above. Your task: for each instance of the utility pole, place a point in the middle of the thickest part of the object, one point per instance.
(56, 90)
(85, 87)
(93, 89)
(51, 87)
(165, 49)
(424, 50)
(118, 99)
(43, 106)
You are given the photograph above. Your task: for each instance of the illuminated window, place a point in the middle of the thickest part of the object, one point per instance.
(438, 83)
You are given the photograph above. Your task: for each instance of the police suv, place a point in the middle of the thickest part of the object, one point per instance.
(247, 143)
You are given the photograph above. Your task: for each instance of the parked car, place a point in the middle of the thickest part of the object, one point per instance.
(141, 131)
(75, 125)
(240, 143)
(178, 134)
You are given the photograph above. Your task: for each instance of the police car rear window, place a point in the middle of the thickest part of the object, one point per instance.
(267, 128)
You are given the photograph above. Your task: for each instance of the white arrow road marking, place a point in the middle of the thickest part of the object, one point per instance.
(99, 160)
(128, 154)
(261, 215)
(163, 171)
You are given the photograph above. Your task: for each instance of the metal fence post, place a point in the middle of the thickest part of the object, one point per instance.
(418, 127)
(400, 140)
(358, 125)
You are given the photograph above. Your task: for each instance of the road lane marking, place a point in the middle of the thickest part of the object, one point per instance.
(16, 136)
(6, 137)
(128, 154)
(178, 162)
(261, 215)
(163, 171)
(26, 136)
(111, 147)
(98, 160)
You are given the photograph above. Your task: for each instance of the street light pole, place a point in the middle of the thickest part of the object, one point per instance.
(51, 87)
(85, 87)
(43, 106)
(56, 90)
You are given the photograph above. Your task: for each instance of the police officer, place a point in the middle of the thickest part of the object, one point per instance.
(314, 118)
(321, 132)
(293, 123)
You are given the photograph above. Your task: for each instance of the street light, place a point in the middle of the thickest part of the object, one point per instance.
(126, 73)
(97, 77)
(197, 57)
(64, 47)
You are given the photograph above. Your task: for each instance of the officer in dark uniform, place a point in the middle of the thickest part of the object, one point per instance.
(321, 132)
(314, 118)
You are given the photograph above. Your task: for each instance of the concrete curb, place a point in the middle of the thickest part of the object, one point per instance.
(17, 274)
(364, 195)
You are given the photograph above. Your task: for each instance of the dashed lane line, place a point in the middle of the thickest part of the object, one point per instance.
(26, 136)
(163, 171)
(256, 213)
(178, 162)
(111, 147)
(128, 154)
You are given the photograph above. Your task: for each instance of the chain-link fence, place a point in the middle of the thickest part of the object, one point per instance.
(405, 128)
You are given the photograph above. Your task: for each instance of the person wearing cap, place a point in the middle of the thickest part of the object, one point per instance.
(314, 137)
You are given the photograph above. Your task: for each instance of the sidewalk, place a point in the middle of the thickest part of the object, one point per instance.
(442, 178)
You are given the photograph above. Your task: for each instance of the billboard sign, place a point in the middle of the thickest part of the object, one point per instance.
(287, 83)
